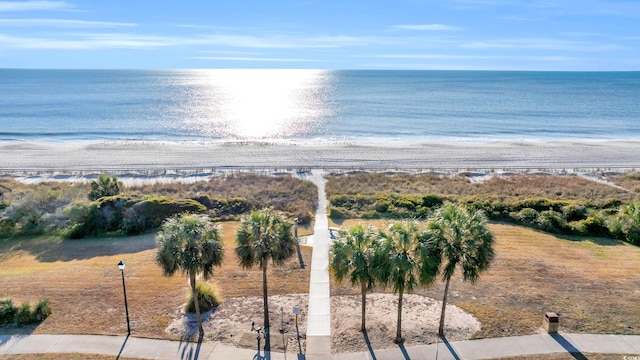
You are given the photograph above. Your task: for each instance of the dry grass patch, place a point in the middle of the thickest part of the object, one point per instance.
(592, 283)
(63, 356)
(84, 286)
(501, 187)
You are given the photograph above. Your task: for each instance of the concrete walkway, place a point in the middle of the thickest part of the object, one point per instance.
(471, 349)
(319, 313)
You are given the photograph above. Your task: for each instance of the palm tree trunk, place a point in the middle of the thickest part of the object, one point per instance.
(266, 332)
(444, 306)
(399, 325)
(364, 306)
(196, 303)
(295, 234)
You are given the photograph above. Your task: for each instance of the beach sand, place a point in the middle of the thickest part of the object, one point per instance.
(130, 156)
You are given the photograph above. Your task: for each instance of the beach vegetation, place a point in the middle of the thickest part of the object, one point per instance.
(190, 244)
(236, 194)
(264, 236)
(466, 243)
(208, 297)
(406, 259)
(125, 214)
(352, 256)
(23, 314)
(105, 185)
(626, 224)
(567, 205)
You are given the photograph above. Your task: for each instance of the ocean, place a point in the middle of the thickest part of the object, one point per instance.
(308, 106)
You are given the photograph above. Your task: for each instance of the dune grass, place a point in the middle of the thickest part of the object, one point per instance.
(514, 187)
(591, 282)
(84, 286)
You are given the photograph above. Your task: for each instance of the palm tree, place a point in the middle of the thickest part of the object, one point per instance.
(407, 259)
(105, 185)
(190, 243)
(264, 235)
(352, 256)
(465, 241)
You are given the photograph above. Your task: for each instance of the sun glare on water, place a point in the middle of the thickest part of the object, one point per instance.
(257, 104)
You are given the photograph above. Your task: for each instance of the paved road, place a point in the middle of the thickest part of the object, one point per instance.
(470, 349)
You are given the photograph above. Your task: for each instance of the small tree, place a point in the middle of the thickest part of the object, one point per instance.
(408, 258)
(192, 244)
(264, 235)
(465, 241)
(105, 185)
(626, 223)
(352, 256)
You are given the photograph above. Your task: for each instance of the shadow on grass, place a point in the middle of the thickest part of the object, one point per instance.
(602, 241)
(52, 249)
(572, 350)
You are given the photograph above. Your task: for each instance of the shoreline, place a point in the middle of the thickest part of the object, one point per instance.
(132, 156)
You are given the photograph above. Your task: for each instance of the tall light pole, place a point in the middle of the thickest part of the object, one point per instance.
(126, 306)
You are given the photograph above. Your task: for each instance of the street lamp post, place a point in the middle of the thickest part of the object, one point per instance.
(296, 312)
(126, 306)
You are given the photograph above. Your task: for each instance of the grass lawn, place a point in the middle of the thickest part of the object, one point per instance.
(81, 280)
(62, 356)
(592, 283)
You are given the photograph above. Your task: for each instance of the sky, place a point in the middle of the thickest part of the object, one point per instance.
(556, 35)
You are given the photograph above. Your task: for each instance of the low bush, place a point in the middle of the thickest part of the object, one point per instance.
(208, 298)
(7, 312)
(128, 214)
(23, 315)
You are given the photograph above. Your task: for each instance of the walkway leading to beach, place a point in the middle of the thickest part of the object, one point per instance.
(319, 313)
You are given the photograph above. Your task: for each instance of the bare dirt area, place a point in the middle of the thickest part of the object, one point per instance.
(420, 317)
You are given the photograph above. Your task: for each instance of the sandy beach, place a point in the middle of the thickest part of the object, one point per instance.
(130, 156)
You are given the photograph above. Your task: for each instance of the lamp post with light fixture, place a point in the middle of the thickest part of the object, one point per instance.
(126, 306)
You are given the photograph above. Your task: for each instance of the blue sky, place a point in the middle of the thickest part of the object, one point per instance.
(591, 35)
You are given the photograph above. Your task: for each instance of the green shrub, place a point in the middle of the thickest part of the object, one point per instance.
(7, 312)
(208, 298)
(42, 310)
(538, 204)
(551, 221)
(432, 201)
(24, 314)
(339, 213)
(231, 206)
(105, 185)
(77, 212)
(574, 212)
(625, 224)
(371, 214)
(150, 213)
(595, 225)
(526, 216)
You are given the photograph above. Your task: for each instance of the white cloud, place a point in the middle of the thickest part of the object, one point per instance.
(33, 5)
(64, 23)
(541, 44)
(256, 59)
(472, 57)
(427, 27)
